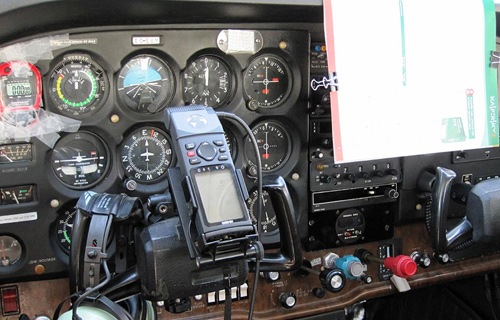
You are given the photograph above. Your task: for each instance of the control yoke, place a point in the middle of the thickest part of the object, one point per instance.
(481, 224)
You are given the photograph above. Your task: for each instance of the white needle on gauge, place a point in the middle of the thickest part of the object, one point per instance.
(5, 155)
(15, 197)
(206, 76)
(266, 145)
(76, 82)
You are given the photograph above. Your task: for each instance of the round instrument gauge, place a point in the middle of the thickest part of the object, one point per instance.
(350, 225)
(64, 228)
(147, 154)
(232, 145)
(78, 86)
(10, 251)
(267, 82)
(274, 145)
(207, 81)
(268, 220)
(146, 84)
(80, 160)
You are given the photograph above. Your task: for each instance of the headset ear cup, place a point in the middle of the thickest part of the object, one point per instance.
(101, 309)
(88, 313)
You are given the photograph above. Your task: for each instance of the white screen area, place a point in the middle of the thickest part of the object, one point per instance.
(219, 195)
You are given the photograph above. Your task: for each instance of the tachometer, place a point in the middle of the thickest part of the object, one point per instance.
(146, 84)
(80, 160)
(274, 145)
(78, 86)
(207, 81)
(267, 82)
(147, 154)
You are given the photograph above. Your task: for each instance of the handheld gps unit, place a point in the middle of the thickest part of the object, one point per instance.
(216, 189)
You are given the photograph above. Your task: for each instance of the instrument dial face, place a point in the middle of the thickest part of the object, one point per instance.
(207, 81)
(350, 225)
(147, 154)
(64, 228)
(146, 84)
(268, 220)
(10, 251)
(274, 145)
(232, 145)
(267, 81)
(80, 160)
(15, 153)
(78, 86)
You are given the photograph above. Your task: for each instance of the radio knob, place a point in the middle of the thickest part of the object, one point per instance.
(392, 172)
(378, 173)
(288, 300)
(325, 178)
(364, 175)
(350, 176)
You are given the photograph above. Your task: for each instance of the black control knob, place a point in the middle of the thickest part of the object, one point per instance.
(319, 293)
(178, 305)
(319, 110)
(270, 276)
(442, 258)
(288, 300)
(366, 278)
(391, 193)
(252, 171)
(318, 155)
(325, 178)
(326, 143)
(422, 260)
(364, 175)
(392, 172)
(350, 176)
(378, 173)
(332, 280)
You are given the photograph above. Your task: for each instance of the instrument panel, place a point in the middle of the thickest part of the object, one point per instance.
(122, 146)
(116, 82)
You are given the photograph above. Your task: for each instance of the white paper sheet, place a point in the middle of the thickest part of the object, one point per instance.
(413, 76)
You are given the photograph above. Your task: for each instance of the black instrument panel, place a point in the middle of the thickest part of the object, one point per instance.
(118, 89)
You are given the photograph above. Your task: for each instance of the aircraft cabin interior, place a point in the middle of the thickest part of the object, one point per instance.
(237, 159)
